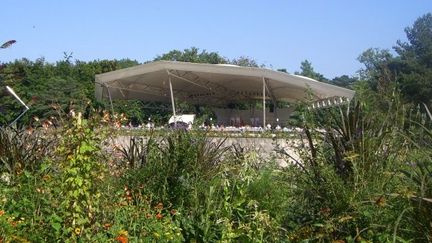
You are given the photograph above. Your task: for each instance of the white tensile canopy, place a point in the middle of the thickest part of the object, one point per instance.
(213, 84)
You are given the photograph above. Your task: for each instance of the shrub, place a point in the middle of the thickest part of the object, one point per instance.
(23, 150)
(350, 160)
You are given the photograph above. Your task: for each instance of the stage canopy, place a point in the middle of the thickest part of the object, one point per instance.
(213, 84)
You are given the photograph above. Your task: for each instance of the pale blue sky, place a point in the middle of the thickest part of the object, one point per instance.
(280, 34)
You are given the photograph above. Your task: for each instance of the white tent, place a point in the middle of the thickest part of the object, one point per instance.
(213, 84)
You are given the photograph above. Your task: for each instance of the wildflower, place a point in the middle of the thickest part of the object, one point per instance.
(159, 216)
(128, 194)
(149, 216)
(173, 212)
(122, 236)
(122, 239)
(159, 206)
(46, 124)
(29, 130)
(107, 226)
(77, 231)
(2, 212)
(5, 177)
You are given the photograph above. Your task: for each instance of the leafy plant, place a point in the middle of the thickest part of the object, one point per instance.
(418, 172)
(135, 154)
(82, 171)
(22, 149)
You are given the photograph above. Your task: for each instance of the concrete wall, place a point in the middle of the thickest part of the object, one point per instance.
(266, 147)
(251, 117)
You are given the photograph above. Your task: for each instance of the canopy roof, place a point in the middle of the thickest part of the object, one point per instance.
(199, 83)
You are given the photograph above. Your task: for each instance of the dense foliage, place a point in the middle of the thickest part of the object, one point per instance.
(410, 70)
(69, 85)
(363, 172)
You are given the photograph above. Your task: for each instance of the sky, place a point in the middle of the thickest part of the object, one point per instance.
(277, 33)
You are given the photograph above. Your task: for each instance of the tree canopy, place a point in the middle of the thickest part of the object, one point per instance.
(50, 88)
(410, 70)
(308, 71)
(69, 84)
(192, 55)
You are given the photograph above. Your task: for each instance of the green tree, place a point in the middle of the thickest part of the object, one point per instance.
(192, 55)
(377, 70)
(414, 64)
(245, 61)
(410, 70)
(344, 81)
(65, 85)
(308, 71)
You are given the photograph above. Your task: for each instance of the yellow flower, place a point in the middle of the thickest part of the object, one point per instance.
(123, 233)
(77, 231)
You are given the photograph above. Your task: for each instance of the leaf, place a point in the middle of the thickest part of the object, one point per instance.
(79, 181)
(86, 148)
(56, 226)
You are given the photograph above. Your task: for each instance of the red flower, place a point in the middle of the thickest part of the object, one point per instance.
(122, 239)
(159, 216)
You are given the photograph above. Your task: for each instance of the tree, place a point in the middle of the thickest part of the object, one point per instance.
(410, 70)
(245, 61)
(308, 71)
(414, 73)
(344, 81)
(65, 85)
(419, 47)
(376, 70)
(192, 55)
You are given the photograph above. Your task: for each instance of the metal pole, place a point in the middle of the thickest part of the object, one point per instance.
(12, 92)
(172, 97)
(16, 119)
(110, 99)
(264, 103)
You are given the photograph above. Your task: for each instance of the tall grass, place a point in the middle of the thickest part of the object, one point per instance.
(350, 185)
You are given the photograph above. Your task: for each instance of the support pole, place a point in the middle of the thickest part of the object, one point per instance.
(264, 103)
(273, 98)
(110, 99)
(172, 97)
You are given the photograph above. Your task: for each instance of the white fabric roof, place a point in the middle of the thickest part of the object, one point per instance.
(209, 84)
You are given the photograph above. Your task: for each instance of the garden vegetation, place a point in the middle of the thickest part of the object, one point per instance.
(364, 174)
